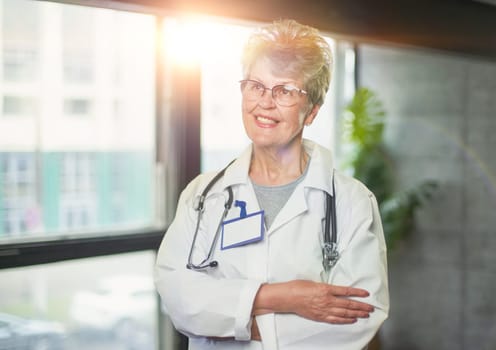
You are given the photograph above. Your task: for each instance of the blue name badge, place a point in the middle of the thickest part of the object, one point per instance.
(243, 230)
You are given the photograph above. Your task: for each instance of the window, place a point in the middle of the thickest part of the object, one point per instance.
(221, 98)
(77, 107)
(90, 160)
(19, 63)
(105, 303)
(78, 177)
(78, 197)
(19, 106)
(18, 208)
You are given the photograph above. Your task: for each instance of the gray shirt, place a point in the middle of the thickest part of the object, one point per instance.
(271, 199)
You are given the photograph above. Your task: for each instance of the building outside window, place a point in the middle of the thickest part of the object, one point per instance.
(62, 81)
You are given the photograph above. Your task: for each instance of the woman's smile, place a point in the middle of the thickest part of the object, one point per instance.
(266, 122)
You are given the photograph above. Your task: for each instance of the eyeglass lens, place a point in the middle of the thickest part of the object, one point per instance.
(284, 95)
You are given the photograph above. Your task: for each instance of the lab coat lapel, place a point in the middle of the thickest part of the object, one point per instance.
(296, 205)
(237, 174)
(319, 176)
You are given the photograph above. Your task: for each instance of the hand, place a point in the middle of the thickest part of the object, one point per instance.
(255, 333)
(328, 303)
(312, 300)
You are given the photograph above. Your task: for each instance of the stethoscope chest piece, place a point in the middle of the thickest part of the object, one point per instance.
(330, 255)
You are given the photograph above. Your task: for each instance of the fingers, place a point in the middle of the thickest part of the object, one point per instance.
(347, 313)
(345, 316)
(329, 303)
(339, 291)
(348, 291)
(255, 333)
(340, 320)
(349, 304)
(346, 310)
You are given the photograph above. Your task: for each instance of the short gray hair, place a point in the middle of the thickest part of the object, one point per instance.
(297, 49)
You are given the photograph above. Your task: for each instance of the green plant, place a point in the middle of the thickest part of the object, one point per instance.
(368, 160)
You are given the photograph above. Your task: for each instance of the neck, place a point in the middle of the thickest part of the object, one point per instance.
(271, 167)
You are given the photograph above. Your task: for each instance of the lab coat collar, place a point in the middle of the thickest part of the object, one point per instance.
(319, 174)
(320, 170)
(237, 172)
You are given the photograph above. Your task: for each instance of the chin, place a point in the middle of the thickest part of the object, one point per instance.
(262, 142)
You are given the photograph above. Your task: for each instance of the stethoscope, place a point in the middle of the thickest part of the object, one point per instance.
(330, 253)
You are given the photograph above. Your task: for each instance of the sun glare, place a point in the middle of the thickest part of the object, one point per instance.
(188, 41)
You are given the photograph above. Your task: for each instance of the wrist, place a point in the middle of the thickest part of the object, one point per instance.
(273, 298)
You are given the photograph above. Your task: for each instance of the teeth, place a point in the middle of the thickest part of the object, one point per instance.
(266, 120)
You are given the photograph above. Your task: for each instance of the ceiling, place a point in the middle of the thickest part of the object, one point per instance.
(463, 26)
(489, 2)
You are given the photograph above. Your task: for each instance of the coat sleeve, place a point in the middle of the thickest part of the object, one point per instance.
(198, 304)
(362, 264)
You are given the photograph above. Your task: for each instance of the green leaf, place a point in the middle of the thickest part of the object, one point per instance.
(398, 210)
(364, 119)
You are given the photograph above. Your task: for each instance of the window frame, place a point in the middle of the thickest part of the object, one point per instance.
(42, 252)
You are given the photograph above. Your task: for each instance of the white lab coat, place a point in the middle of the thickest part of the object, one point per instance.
(217, 302)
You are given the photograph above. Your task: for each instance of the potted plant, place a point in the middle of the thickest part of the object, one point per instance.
(367, 159)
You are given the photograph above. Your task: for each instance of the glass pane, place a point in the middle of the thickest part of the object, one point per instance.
(99, 303)
(77, 120)
(223, 134)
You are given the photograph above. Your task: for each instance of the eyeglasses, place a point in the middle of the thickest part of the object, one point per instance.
(283, 95)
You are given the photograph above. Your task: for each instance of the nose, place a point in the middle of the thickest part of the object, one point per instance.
(267, 100)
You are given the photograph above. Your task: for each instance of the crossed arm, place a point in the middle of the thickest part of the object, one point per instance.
(312, 300)
(315, 301)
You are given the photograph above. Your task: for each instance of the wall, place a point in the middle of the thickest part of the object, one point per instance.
(441, 123)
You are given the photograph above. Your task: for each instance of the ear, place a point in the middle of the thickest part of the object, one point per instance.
(312, 114)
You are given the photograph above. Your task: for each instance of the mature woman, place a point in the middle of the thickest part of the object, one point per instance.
(247, 262)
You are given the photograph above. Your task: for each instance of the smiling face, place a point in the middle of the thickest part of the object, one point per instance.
(268, 124)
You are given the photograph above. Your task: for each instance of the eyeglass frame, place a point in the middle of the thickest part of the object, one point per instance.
(285, 86)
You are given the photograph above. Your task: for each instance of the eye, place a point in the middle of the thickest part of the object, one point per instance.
(285, 90)
(257, 86)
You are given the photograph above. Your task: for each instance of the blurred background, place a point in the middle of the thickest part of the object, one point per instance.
(108, 108)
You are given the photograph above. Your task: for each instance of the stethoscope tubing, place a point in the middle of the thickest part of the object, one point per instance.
(200, 207)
